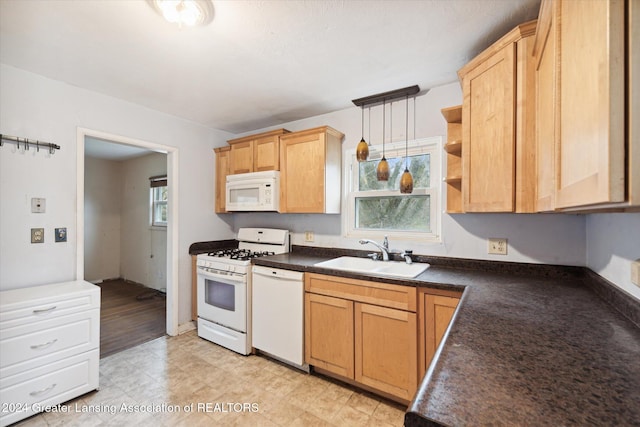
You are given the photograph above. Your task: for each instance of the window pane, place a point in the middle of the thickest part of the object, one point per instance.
(160, 193)
(418, 166)
(161, 213)
(401, 213)
(159, 207)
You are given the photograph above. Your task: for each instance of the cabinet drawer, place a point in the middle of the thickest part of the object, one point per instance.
(29, 305)
(47, 385)
(35, 344)
(383, 294)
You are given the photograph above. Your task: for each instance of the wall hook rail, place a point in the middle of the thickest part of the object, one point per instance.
(25, 143)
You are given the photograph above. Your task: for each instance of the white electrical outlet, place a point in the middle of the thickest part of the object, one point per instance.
(37, 235)
(635, 272)
(308, 236)
(497, 246)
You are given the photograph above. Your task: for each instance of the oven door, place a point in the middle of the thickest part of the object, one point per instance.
(222, 298)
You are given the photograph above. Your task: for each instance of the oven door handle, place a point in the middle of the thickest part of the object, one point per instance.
(222, 278)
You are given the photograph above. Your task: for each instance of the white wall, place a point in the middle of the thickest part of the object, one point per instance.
(144, 248)
(549, 239)
(613, 241)
(102, 209)
(39, 108)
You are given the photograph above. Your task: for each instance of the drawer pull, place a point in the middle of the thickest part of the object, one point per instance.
(44, 310)
(37, 346)
(43, 391)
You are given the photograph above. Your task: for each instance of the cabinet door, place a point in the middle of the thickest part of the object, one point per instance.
(266, 154)
(590, 158)
(241, 160)
(222, 170)
(488, 151)
(545, 55)
(328, 331)
(436, 313)
(302, 175)
(386, 349)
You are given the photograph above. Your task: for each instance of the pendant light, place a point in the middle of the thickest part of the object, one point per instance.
(383, 167)
(362, 150)
(406, 181)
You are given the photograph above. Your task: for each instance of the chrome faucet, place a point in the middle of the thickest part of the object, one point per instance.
(384, 247)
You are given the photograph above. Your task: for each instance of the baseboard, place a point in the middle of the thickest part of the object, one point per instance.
(186, 327)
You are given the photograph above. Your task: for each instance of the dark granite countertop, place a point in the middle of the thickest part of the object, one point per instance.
(528, 345)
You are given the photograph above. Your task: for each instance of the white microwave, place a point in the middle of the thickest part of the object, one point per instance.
(255, 191)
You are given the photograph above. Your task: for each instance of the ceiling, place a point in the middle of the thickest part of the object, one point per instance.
(259, 63)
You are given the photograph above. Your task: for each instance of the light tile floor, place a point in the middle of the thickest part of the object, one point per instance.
(187, 381)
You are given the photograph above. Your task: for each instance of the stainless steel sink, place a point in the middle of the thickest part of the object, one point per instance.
(399, 269)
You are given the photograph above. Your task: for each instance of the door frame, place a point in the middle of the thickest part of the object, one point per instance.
(172, 222)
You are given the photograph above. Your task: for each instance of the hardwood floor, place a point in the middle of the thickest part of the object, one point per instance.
(130, 314)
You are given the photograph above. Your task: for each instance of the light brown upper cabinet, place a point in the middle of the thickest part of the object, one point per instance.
(222, 170)
(255, 153)
(310, 171)
(593, 96)
(498, 126)
(544, 52)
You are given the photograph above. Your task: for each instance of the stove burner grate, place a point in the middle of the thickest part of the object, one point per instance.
(240, 254)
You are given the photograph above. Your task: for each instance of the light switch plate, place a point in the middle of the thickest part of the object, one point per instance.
(61, 234)
(37, 235)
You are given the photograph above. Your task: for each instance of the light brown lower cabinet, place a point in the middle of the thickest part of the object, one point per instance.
(386, 349)
(329, 334)
(436, 309)
(363, 331)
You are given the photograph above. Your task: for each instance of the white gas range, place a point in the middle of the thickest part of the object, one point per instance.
(224, 287)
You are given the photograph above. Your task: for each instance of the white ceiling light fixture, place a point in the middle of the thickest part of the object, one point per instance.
(184, 12)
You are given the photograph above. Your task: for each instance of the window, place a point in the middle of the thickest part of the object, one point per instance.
(159, 201)
(378, 206)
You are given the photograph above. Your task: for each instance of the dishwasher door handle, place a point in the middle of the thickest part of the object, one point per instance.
(294, 276)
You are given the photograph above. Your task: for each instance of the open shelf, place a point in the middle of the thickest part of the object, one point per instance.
(453, 148)
(456, 179)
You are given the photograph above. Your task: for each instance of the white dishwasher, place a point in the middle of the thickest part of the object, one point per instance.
(278, 314)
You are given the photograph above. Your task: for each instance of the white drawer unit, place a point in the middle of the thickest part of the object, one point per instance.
(49, 342)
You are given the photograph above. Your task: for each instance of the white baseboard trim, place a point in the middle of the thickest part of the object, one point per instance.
(186, 327)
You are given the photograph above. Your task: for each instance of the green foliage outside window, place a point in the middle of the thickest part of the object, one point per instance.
(394, 212)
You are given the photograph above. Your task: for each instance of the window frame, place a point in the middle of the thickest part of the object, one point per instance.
(431, 146)
(156, 185)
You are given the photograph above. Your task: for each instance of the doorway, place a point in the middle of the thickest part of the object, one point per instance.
(170, 272)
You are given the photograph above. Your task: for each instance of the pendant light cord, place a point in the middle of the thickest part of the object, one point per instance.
(391, 121)
(362, 121)
(369, 124)
(406, 136)
(384, 119)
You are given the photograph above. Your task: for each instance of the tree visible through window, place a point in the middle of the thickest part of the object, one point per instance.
(159, 198)
(379, 205)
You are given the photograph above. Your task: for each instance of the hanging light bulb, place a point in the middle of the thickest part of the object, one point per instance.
(383, 167)
(406, 180)
(362, 150)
